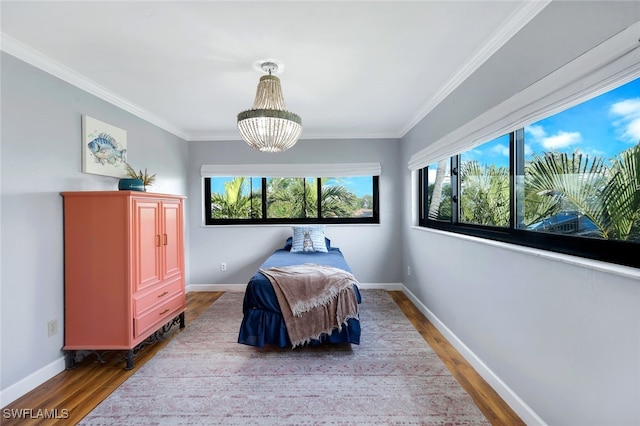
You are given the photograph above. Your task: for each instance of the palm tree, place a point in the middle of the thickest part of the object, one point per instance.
(289, 198)
(485, 194)
(436, 193)
(558, 182)
(233, 203)
(298, 198)
(608, 195)
(337, 200)
(621, 195)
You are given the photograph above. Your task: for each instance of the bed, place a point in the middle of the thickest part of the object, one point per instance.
(263, 322)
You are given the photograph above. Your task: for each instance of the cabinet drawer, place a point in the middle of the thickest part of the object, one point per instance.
(157, 295)
(158, 316)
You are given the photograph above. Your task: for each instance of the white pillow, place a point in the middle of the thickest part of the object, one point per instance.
(308, 239)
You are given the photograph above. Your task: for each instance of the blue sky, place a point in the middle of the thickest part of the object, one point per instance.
(359, 185)
(603, 126)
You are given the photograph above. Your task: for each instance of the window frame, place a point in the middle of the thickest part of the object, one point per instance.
(603, 68)
(611, 251)
(209, 221)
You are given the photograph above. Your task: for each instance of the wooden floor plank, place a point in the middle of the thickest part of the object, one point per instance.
(79, 391)
(485, 397)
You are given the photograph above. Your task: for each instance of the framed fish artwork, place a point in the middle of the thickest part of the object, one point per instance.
(104, 148)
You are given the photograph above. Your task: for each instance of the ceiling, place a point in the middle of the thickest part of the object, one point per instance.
(352, 69)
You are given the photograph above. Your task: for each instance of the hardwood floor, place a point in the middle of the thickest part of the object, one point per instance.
(73, 394)
(489, 402)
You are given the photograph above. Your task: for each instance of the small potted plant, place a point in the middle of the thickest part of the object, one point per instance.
(145, 178)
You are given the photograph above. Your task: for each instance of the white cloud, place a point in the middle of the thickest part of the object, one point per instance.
(628, 123)
(627, 107)
(501, 149)
(536, 131)
(528, 150)
(558, 141)
(633, 130)
(561, 140)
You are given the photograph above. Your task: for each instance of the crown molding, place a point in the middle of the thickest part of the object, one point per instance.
(219, 137)
(516, 21)
(31, 56)
(614, 62)
(317, 136)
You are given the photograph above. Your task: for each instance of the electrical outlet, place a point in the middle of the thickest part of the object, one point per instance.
(223, 266)
(408, 270)
(52, 327)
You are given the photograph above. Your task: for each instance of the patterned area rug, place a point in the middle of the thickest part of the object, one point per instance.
(203, 377)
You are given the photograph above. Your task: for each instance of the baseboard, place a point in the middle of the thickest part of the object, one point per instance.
(29, 383)
(241, 287)
(382, 286)
(24, 386)
(215, 287)
(508, 395)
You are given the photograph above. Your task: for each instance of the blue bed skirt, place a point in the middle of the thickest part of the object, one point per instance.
(263, 324)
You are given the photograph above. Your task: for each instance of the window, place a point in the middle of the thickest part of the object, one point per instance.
(254, 200)
(580, 175)
(568, 183)
(484, 184)
(235, 198)
(439, 193)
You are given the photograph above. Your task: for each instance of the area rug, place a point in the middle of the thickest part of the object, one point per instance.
(203, 377)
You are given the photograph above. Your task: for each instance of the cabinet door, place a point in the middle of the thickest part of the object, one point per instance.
(147, 262)
(172, 240)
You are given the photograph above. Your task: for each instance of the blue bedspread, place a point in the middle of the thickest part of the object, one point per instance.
(263, 323)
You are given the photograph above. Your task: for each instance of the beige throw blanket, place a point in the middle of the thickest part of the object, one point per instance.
(314, 299)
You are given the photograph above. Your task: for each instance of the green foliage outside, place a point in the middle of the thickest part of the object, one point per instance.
(485, 194)
(289, 198)
(607, 193)
(236, 201)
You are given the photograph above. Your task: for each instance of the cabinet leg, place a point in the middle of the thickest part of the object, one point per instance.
(182, 320)
(128, 357)
(70, 360)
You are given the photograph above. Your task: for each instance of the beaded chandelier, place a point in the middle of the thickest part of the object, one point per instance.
(268, 126)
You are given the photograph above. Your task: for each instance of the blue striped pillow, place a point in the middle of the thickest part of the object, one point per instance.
(308, 239)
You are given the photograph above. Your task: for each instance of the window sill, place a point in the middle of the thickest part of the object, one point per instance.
(288, 225)
(611, 268)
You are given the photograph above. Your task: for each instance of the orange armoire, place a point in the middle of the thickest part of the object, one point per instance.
(124, 270)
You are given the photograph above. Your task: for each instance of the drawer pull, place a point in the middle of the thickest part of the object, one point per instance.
(164, 312)
(158, 240)
(166, 240)
(163, 294)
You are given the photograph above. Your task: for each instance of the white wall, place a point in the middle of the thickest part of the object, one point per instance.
(564, 337)
(557, 336)
(41, 139)
(373, 251)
